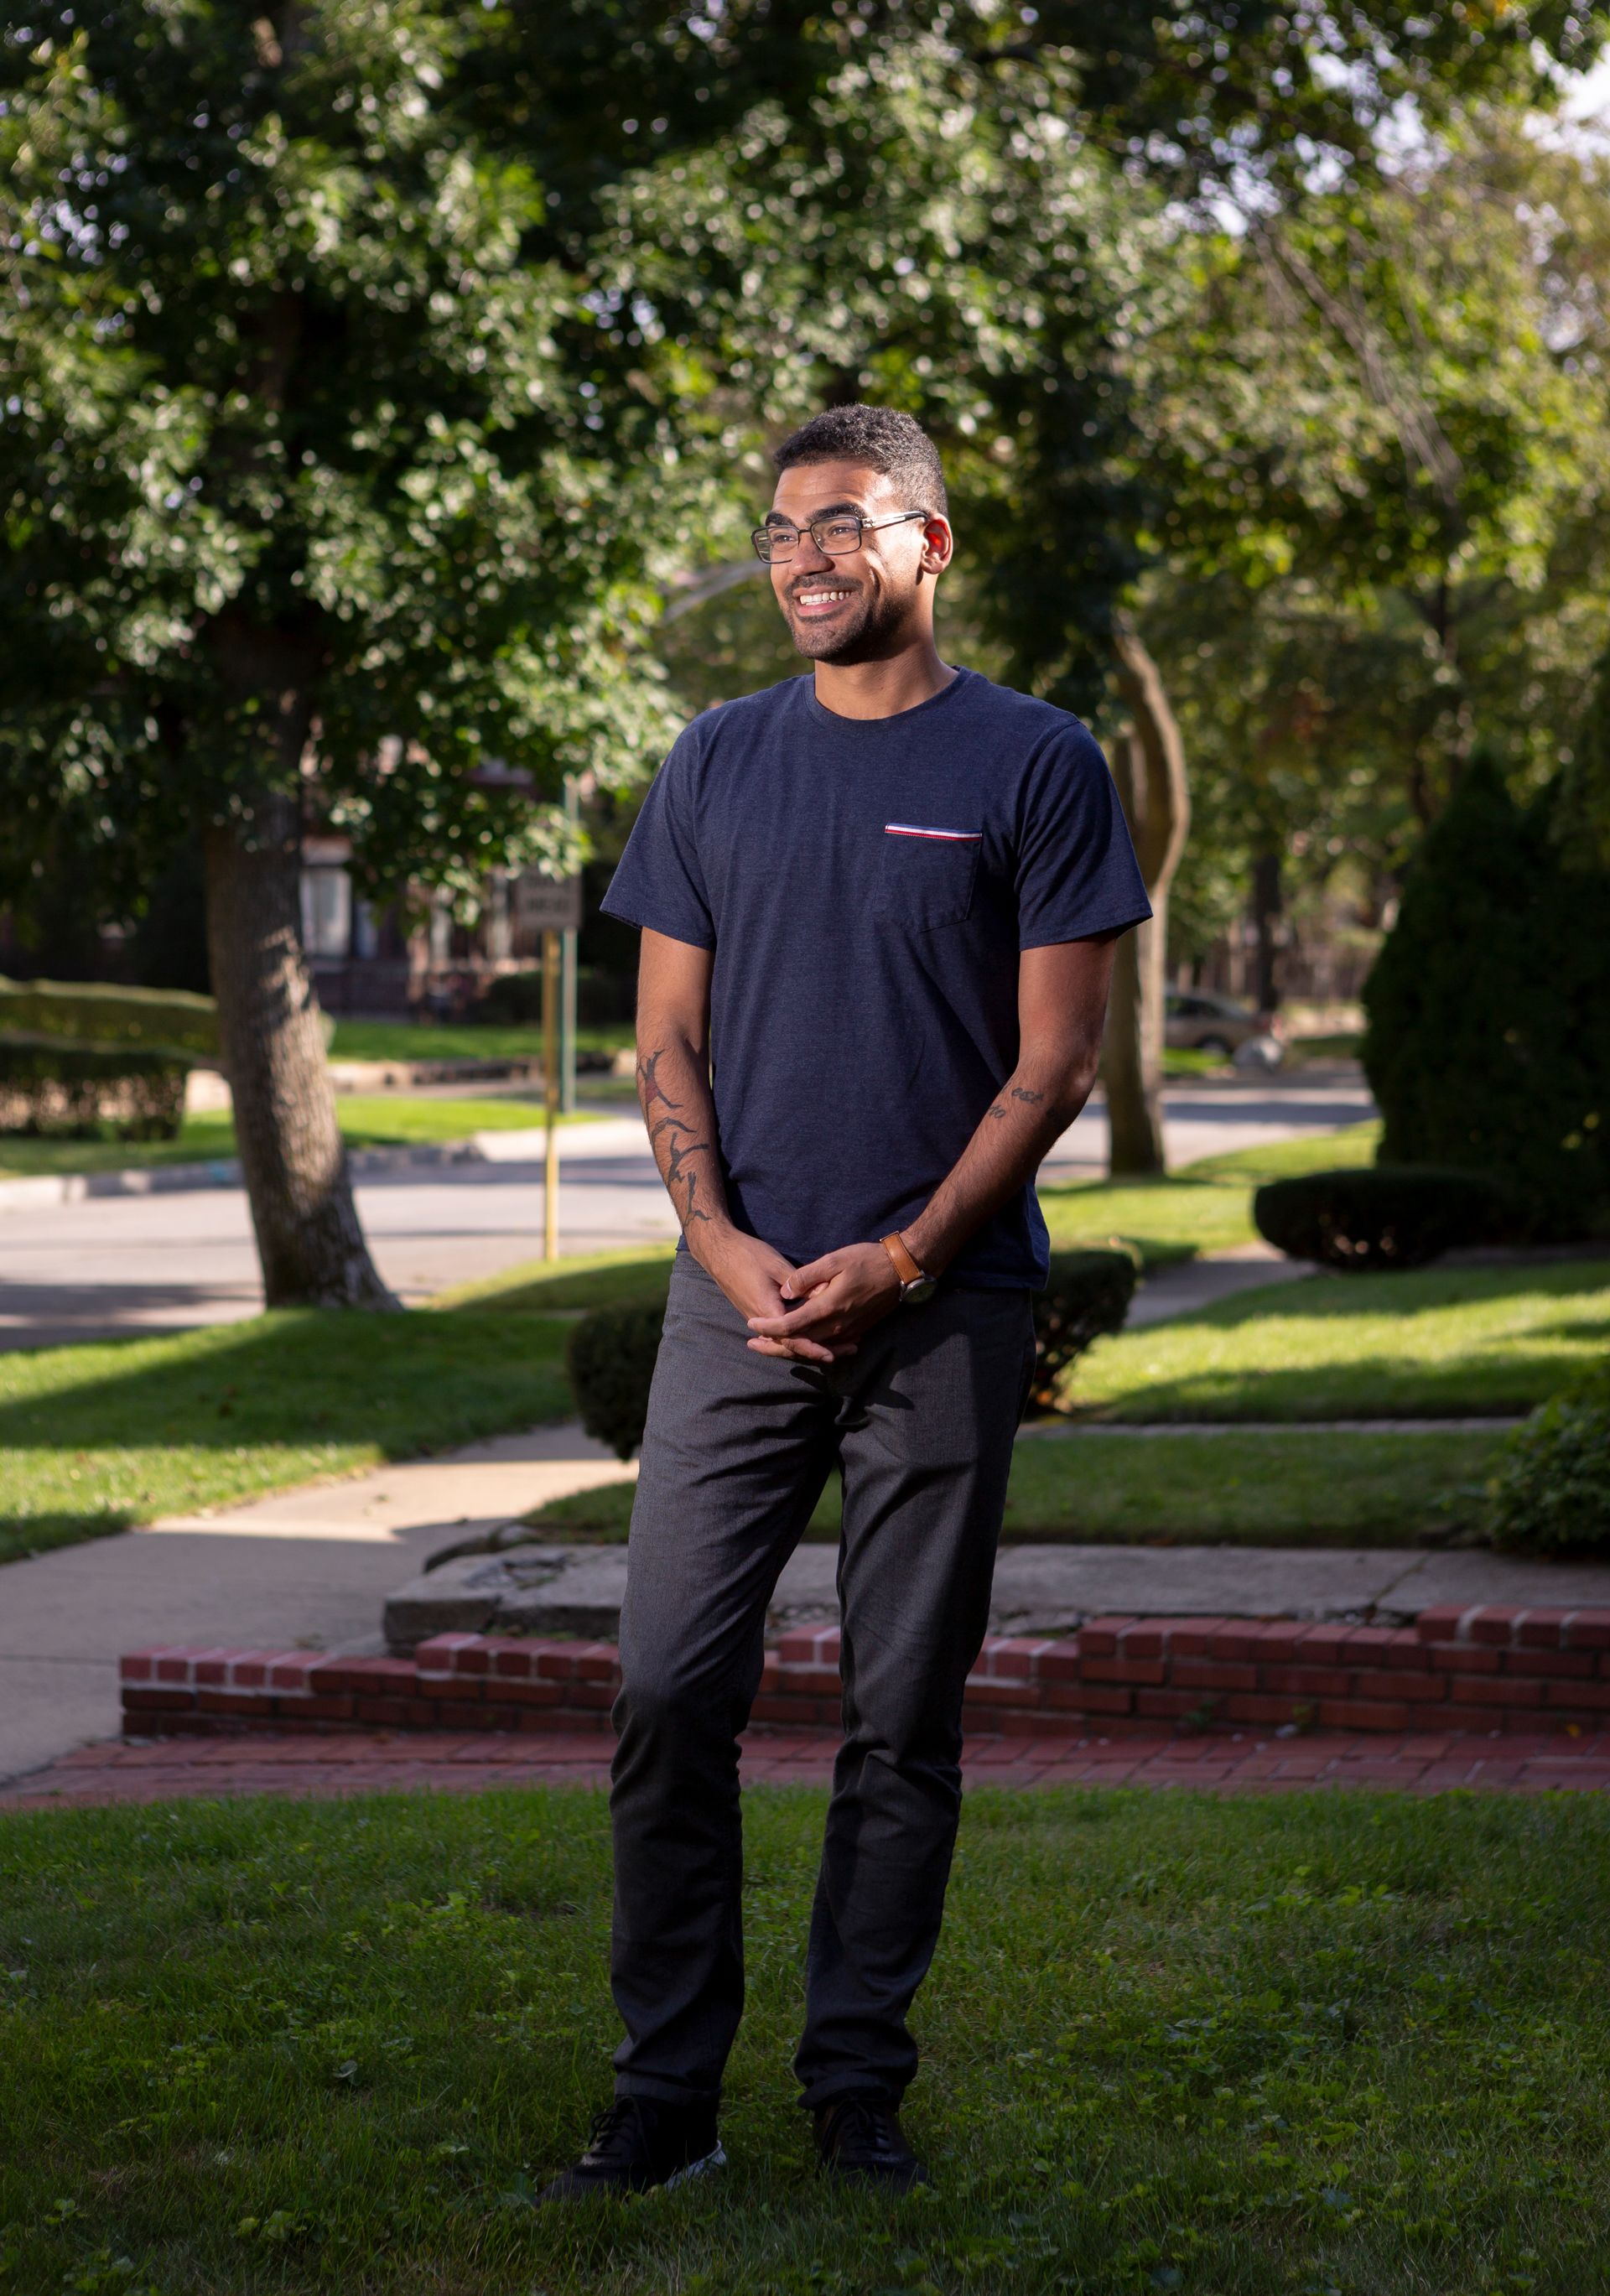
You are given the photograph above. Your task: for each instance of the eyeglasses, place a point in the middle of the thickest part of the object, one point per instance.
(834, 538)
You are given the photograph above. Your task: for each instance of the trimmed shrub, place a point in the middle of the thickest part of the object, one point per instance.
(1087, 1293)
(98, 1016)
(1487, 1043)
(1551, 1492)
(513, 1000)
(1380, 1217)
(610, 1361)
(63, 1092)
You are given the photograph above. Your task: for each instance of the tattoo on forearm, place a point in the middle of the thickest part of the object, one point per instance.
(673, 1129)
(1033, 1098)
(675, 1176)
(997, 1112)
(649, 1087)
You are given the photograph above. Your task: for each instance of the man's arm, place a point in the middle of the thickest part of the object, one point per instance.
(1061, 1002)
(673, 1086)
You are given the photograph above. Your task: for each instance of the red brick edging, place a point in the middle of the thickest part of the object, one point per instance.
(1489, 1667)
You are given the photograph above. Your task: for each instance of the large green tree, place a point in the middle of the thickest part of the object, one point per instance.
(314, 503)
(994, 233)
(1380, 443)
(371, 358)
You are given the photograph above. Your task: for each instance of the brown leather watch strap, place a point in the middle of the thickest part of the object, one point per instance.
(905, 1267)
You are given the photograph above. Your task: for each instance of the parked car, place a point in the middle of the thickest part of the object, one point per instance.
(1197, 1021)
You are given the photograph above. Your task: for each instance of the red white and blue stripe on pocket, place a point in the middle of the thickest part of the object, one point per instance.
(941, 836)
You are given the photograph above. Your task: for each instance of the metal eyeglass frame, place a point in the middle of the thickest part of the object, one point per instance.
(761, 535)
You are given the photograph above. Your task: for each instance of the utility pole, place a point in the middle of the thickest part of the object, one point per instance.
(567, 999)
(550, 1094)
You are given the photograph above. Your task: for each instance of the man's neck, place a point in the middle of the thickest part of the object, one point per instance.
(884, 688)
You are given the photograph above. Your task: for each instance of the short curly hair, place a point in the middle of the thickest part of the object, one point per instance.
(882, 438)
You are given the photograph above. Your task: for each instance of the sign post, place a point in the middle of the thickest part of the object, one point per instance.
(550, 1094)
(552, 905)
(567, 969)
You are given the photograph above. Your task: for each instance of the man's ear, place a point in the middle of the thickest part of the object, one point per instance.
(939, 544)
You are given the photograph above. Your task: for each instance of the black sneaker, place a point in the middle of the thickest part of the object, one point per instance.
(860, 2139)
(639, 2142)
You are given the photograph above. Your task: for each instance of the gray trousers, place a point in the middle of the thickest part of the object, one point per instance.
(737, 1449)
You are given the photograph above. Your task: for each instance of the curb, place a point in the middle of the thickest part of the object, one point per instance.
(1489, 1665)
(179, 1179)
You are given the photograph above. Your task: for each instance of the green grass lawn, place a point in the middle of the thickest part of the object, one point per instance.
(1329, 2045)
(1232, 1489)
(1440, 1342)
(97, 1436)
(1204, 1207)
(567, 1286)
(367, 1121)
(410, 1040)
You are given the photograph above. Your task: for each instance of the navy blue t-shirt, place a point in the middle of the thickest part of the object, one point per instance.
(866, 884)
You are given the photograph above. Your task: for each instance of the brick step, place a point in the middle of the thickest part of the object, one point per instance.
(1490, 1668)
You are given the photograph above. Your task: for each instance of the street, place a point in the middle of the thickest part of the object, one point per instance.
(120, 1264)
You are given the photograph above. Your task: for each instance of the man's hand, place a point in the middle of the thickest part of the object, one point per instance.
(753, 1276)
(840, 1296)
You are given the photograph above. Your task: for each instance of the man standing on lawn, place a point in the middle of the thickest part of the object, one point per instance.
(885, 897)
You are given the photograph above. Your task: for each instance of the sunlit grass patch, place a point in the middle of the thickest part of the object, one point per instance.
(1440, 1342)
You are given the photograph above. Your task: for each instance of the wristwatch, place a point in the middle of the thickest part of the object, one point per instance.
(914, 1285)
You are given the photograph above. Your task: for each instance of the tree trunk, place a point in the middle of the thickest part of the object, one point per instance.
(292, 1157)
(1268, 908)
(1148, 766)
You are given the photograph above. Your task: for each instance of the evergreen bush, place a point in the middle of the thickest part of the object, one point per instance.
(513, 1000)
(610, 1361)
(1384, 1217)
(1551, 1492)
(1488, 1038)
(1086, 1293)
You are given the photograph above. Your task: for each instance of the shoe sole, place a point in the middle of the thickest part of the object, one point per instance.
(716, 2159)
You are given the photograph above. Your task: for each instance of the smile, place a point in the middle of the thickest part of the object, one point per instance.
(806, 599)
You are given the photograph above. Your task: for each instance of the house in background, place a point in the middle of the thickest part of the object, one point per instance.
(385, 963)
(371, 962)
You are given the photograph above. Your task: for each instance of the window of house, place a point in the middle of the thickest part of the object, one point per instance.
(326, 912)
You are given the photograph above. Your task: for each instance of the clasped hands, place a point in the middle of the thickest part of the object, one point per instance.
(815, 1314)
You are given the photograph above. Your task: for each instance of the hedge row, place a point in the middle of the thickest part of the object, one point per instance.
(64, 1091)
(98, 1016)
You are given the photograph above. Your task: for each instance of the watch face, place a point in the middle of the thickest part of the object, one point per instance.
(924, 1288)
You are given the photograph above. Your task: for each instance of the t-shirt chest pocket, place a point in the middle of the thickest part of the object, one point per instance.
(926, 873)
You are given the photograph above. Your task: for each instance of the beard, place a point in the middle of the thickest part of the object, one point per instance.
(867, 628)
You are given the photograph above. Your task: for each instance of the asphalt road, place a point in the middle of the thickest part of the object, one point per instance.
(118, 1265)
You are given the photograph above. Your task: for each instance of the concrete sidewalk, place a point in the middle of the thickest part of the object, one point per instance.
(307, 1568)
